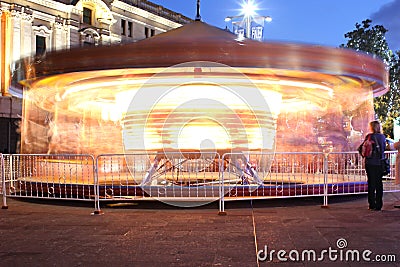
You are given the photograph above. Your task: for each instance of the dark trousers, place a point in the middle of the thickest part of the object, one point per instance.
(375, 186)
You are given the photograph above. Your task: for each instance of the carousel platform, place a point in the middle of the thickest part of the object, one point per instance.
(202, 186)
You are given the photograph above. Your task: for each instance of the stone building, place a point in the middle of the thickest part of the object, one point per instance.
(34, 27)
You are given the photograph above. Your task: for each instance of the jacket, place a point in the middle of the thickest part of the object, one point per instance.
(381, 142)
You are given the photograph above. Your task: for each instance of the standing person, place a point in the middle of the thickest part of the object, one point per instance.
(373, 166)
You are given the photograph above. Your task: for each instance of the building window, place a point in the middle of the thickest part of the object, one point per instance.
(153, 32)
(146, 32)
(123, 27)
(87, 16)
(89, 40)
(130, 28)
(40, 45)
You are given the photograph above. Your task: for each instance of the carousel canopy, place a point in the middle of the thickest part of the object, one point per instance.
(199, 41)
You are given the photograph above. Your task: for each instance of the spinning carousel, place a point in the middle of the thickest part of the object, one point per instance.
(198, 92)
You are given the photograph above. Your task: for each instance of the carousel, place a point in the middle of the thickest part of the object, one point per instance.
(194, 94)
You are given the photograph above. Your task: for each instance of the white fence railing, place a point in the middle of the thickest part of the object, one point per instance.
(185, 179)
(49, 176)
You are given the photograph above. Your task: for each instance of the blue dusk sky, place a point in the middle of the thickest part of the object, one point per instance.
(321, 22)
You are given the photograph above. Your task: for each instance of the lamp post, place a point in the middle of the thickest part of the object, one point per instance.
(249, 15)
(198, 17)
(248, 26)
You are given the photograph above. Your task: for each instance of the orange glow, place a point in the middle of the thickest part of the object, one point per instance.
(6, 33)
(98, 111)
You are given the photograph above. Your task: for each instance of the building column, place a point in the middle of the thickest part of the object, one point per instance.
(6, 50)
(60, 34)
(72, 24)
(16, 17)
(26, 33)
(1, 52)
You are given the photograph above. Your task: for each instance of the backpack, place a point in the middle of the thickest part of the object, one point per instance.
(367, 147)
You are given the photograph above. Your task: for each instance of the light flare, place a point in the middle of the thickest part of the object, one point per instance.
(249, 8)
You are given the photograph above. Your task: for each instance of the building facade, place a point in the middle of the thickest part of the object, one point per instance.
(34, 27)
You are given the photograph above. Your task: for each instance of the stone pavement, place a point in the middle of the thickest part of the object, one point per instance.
(40, 233)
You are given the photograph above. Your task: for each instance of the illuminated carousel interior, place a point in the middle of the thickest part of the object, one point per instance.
(197, 89)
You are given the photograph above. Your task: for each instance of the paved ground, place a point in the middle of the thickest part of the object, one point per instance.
(153, 234)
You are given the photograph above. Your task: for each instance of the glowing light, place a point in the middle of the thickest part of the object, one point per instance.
(196, 132)
(72, 112)
(111, 112)
(249, 8)
(188, 114)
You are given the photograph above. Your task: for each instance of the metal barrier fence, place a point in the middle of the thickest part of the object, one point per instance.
(169, 177)
(186, 179)
(3, 181)
(69, 177)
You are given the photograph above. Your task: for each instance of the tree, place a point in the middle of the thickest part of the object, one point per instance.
(372, 41)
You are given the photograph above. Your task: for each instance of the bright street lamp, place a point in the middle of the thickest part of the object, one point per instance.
(248, 15)
(249, 8)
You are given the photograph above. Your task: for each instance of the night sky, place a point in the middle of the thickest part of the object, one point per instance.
(310, 21)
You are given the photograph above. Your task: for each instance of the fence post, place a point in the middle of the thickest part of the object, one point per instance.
(325, 205)
(97, 210)
(221, 187)
(3, 183)
(327, 148)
